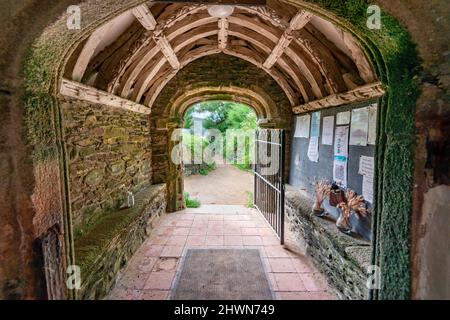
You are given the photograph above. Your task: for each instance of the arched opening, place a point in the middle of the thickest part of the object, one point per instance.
(152, 62)
(101, 112)
(214, 171)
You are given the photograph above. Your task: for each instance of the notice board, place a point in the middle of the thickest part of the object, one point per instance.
(305, 172)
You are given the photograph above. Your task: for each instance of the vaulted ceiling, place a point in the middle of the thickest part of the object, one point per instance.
(136, 54)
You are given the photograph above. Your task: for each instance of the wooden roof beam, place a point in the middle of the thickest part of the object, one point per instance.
(223, 33)
(363, 93)
(296, 23)
(166, 49)
(145, 17)
(76, 90)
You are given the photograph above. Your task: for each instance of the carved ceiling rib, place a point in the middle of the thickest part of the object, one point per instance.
(250, 56)
(297, 22)
(146, 41)
(310, 72)
(262, 43)
(145, 17)
(183, 41)
(223, 33)
(192, 55)
(323, 58)
(304, 62)
(128, 77)
(363, 93)
(242, 53)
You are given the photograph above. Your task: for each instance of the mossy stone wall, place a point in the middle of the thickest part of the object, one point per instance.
(108, 154)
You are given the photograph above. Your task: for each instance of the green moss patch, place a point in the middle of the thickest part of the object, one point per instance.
(109, 225)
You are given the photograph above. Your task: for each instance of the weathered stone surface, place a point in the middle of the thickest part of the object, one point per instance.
(111, 241)
(94, 177)
(341, 258)
(106, 150)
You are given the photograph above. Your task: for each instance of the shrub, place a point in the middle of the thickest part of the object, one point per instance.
(191, 203)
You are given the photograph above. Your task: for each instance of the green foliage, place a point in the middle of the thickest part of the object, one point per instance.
(194, 144)
(206, 170)
(189, 202)
(223, 115)
(250, 203)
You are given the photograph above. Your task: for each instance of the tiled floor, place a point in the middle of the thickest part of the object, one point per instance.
(151, 272)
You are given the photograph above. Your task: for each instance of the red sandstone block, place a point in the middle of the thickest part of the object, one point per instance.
(289, 282)
(177, 241)
(252, 240)
(172, 251)
(214, 240)
(281, 265)
(160, 280)
(232, 240)
(154, 295)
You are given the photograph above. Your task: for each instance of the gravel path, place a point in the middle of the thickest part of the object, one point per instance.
(224, 185)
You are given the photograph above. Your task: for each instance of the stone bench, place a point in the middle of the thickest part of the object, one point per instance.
(107, 246)
(340, 257)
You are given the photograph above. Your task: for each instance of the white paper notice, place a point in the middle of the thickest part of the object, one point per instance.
(341, 142)
(340, 156)
(302, 127)
(327, 130)
(313, 149)
(359, 127)
(343, 118)
(372, 134)
(366, 168)
(340, 172)
(366, 165)
(367, 188)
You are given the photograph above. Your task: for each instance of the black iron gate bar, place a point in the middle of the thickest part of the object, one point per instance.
(269, 189)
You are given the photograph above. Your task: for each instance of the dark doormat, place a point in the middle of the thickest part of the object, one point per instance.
(222, 274)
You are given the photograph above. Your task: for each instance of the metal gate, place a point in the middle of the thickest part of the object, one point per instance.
(269, 177)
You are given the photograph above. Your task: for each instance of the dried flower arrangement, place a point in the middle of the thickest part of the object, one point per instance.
(353, 203)
(322, 188)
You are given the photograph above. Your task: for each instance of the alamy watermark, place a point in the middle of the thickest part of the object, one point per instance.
(74, 17)
(374, 18)
(73, 281)
(235, 146)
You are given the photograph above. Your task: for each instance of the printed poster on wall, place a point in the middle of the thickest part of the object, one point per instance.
(359, 127)
(340, 155)
(343, 118)
(313, 149)
(372, 134)
(327, 130)
(366, 169)
(315, 124)
(302, 126)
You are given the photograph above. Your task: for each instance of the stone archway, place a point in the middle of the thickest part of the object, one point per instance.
(263, 106)
(392, 55)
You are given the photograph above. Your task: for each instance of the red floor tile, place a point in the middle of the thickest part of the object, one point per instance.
(214, 240)
(281, 265)
(250, 231)
(154, 294)
(160, 280)
(181, 231)
(172, 251)
(194, 240)
(288, 282)
(230, 240)
(177, 241)
(252, 240)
